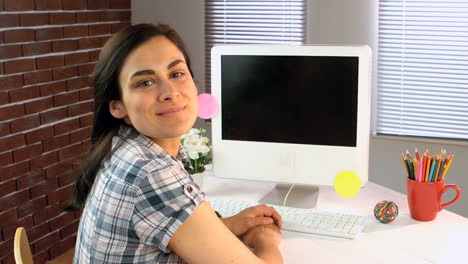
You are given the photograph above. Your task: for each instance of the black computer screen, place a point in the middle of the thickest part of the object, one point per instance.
(290, 99)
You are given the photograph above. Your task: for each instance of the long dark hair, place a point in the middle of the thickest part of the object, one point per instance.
(106, 86)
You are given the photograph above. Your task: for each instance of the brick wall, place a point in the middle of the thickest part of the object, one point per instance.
(48, 50)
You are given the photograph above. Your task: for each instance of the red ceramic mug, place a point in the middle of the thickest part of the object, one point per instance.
(425, 198)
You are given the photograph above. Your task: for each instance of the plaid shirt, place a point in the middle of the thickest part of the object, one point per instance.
(140, 196)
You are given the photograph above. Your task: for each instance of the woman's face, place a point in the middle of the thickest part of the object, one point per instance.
(159, 97)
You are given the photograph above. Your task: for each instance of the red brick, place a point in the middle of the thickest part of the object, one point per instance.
(86, 94)
(50, 62)
(66, 179)
(48, 4)
(6, 246)
(56, 143)
(4, 129)
(36, 48)
(70, 229)
(13, 171)
(49, 33)
(24, 94)
(17, 66)
(34, 19)
(67, 126)
(80, 135)
(78, 83)
(31, 179)
(24, 123)
(6, 159)
(18, 35)
(70, 152)
(41, 257)
(89, 43)
(10, 112)
(11, 82)
(64, 45)
(7, 187)
(44, 188)
(12, 200)
(62, 247)
(61, 220)
(38, 231)
(4, 99)
(44, 160)
(99, 29)
(53, 115)
(82, 108)
(11, 142)
(78, 160)
(38, 105)
(1, 69)
(62, 18)
(10, 51)
(48, 241)
(15, 5)
(53, 88)
(9, 20)
(26, 222)
(39, 135)
(65, 73)
(74, 4)
(103, 4)
(93, 55)
(8, 217)
(32, 206)
(86, 120)
(76, 58)
(116, 16)
(119, 26)
(75, 31)
(104, 39)
(38, 77)
(86, 69)
(87, 17)
(27, 152)
(60, 194)
(120, 4)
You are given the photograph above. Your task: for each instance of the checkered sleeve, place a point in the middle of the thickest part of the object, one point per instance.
(164, 200)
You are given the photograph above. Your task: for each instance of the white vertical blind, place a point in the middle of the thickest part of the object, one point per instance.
(423, 68)
(279, 22)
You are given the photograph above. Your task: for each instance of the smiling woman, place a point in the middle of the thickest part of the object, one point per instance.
(159, 97)
(139, 203)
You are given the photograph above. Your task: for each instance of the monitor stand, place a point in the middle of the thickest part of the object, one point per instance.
(301, 196)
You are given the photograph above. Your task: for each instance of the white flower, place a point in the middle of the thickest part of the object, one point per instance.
(191, 142)
(204, 149)
(194, 131)
(193, 155)
(204, 140)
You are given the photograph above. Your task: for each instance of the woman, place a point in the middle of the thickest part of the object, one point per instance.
(139, 204)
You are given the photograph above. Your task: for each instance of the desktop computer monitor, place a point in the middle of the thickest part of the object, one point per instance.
(291, 114)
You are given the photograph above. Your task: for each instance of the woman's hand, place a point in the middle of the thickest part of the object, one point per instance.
(262, 236)
(251, 217)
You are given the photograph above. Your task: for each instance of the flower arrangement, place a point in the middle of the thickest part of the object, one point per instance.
(197, 147)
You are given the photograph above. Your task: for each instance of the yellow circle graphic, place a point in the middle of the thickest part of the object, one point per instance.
(347, 184)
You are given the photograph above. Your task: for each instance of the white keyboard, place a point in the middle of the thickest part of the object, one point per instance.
(302, 220)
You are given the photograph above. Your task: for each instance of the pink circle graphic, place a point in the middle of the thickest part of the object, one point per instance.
(208, 106)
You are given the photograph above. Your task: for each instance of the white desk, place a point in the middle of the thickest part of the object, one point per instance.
(443, 240)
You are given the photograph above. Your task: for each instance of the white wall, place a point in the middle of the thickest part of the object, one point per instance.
(328, 22)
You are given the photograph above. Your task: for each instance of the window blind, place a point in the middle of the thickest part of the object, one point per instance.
(422, 78)
(279, 22)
